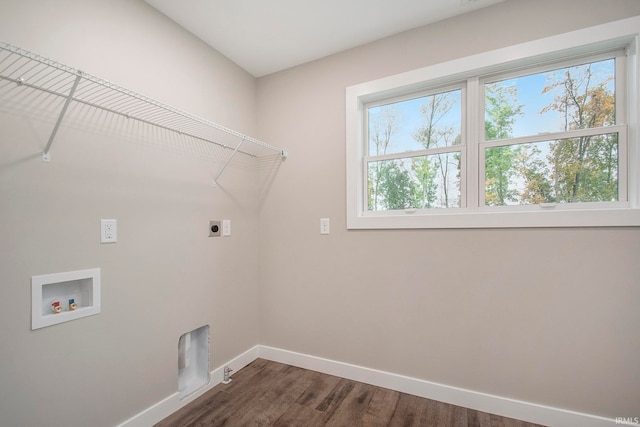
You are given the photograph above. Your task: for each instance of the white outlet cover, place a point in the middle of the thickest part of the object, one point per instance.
(108, 231)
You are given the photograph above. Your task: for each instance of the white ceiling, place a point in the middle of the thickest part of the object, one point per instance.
(265, 36)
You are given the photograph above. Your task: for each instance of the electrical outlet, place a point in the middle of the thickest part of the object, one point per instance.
(215, 228)
(108, 231)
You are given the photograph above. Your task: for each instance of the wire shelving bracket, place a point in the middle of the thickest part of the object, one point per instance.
(24, 68)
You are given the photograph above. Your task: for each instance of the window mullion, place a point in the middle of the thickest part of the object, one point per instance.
(474, 110)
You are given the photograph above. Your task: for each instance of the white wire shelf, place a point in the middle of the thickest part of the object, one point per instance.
(20, 69)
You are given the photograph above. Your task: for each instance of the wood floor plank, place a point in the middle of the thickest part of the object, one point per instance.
(318, 390)
(335, 397)
(300, 415)
(267, 394)
(497, 421)
(459, 416)
(410, 411)
(381, 408)
(352, 410)
(277, 400)
(222, 407)
(441, 414)
(196, 410)
(478, 419)
(246, 398)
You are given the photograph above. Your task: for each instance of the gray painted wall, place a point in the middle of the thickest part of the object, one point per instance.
(164, 277)
(547, 316)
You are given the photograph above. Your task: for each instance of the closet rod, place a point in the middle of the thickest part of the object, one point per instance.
(25, 68)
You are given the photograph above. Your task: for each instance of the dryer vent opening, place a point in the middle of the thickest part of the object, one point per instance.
(193, 361)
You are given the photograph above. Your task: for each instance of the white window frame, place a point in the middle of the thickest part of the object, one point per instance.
(615, 35)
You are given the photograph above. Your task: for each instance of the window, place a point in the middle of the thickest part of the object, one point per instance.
(414, 152)
(547, 138)
(552, 137)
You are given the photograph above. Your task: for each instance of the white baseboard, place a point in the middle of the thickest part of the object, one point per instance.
(506, 407)
(172, 403)
(531, 412)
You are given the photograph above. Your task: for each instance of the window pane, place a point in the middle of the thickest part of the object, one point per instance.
(583, 169)
(577, 97)
(416, 124)
(414, 183)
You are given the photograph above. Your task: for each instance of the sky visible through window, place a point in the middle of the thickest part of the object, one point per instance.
(530, 91)
(530, 96)
(409, 120)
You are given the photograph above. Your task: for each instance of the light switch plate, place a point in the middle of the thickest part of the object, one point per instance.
(226, 227)
(324, 226)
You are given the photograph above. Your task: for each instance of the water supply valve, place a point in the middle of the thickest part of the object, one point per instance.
(227, 374)
(56, 307)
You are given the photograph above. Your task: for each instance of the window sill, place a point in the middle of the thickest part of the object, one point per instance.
(624, 217)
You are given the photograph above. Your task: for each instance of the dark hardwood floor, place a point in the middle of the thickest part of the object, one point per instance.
(266, 393)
